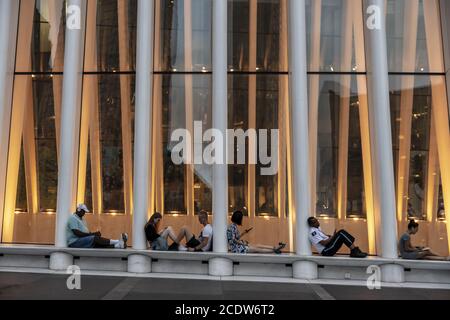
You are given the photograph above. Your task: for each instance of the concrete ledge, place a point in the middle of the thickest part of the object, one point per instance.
(259, 265)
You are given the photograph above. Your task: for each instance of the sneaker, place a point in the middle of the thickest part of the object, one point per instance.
(124, 240)
(357, 253)
(280, 247)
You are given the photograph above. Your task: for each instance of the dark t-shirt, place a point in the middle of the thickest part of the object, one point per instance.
(150, 233)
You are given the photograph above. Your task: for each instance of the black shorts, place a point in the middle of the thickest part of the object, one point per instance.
(193, 243)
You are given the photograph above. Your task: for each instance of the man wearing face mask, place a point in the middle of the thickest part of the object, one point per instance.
(79, 236)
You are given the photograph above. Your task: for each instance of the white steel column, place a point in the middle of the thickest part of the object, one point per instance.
(9, 14)
(220, 266)
(300, 136)
(143, 133)
(70, 121)
(379, 113)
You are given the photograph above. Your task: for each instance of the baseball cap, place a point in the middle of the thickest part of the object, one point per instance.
(83, 207)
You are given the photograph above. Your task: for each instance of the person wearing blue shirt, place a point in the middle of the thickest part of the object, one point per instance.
(79, 236)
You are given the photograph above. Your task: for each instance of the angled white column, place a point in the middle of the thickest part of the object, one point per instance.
(300, 136)
(143, 133)
(379, 114)
(70, 119)
(440, 110)
(9, 14)
(220, 266)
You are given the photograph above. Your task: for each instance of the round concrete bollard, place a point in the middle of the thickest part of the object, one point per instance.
(306, 270)
(220, 267)
(138, 263)
(60, 261)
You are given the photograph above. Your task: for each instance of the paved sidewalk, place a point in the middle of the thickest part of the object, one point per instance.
(48, 286)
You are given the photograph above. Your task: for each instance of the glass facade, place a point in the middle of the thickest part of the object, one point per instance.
(342, 169)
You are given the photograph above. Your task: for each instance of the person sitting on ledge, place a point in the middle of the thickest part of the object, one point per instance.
(158, 240)
(236, 245)
(407, 251)
(329, 245)
(204, 241)
(78, 235)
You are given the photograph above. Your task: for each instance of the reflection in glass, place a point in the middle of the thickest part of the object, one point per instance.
(21, 198)
(441, 207)
(266, 118)
(338, 25)
(265, 34)
(183, 35)
(237, 119)
(327, 147)
(116, 26)
(415, 116)
(46, 34)
(202, 113)
(45, 135)
(407, 36)
(174, 117)
(355, 173)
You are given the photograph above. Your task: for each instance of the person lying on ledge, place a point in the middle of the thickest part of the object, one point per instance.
(236, 245)
(78, 235)
(159, 239)
(328, 245)
(204, 242)
(407, 251)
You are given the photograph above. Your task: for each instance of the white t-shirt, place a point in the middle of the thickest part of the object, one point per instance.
(207, 232)
(316, 236)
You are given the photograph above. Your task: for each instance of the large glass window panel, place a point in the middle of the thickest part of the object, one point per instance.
(411, 109)
(183, 35)
(116, 35)
(327, 146)
(338, 24)
(267, 108)
(257, 35)
(45, 135)
(409, 40)
(109, 142)
(173, 110)
(202, 113)
(41, 36)
(238, 119)
(356, 202)
(340, 161)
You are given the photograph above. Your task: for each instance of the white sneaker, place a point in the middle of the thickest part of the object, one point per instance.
(182, 248)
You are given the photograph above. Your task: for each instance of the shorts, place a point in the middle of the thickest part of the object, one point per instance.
(83, 243)
(193, 243)
(160, 244)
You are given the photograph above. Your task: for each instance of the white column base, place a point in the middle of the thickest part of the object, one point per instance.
(392, 273)
(220, 267)
(60, 261)
(138, 263)
(306, 270)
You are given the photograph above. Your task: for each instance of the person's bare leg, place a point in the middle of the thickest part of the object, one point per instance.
(435, 258)
(262, 246)
(168, 233)
(432, 253)
(252, 249)
(184, 233)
